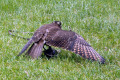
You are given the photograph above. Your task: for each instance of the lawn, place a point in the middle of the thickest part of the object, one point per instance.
(98, 21)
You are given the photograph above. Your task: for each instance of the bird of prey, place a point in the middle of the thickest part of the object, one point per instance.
(52, 35)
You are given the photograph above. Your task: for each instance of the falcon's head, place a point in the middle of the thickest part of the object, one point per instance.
(57, 23)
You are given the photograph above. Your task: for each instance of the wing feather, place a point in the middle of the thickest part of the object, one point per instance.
(36, 49)
(73, 42)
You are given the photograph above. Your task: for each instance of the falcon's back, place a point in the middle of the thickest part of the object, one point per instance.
(60, 38)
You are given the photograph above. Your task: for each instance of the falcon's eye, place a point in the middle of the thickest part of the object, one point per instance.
(57, 22)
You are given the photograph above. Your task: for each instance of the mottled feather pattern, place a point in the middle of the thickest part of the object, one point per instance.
(73, 42)
(60, 39)
(85, 50)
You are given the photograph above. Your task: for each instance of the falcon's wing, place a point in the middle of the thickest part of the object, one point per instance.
(73, 42)
(39, 35)
(35, 38)
(36, 49)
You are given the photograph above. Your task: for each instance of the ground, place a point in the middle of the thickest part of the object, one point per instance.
(98, 21)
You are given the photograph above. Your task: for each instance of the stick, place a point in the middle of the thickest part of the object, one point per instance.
(13, 31)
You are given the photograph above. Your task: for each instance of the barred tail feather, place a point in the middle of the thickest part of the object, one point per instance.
(36, 49)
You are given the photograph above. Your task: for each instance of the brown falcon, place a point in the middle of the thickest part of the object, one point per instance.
(52, 35)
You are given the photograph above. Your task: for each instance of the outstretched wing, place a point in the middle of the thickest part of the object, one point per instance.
(73, 42)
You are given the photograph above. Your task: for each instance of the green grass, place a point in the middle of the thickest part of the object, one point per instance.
(98, 21)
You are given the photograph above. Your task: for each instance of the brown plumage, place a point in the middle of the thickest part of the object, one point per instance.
(53, 35)
(38, 39)
(36, 49)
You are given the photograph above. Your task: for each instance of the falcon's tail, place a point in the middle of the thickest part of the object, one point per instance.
(36, 49)
(25, 47)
